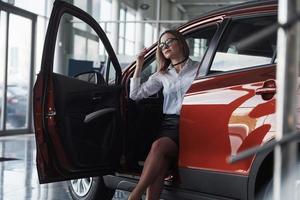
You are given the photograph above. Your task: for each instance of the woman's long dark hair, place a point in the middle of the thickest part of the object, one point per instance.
(163, 63)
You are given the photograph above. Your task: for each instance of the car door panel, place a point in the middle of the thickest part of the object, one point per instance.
(77, 124)
(74, 102)
(218, 121)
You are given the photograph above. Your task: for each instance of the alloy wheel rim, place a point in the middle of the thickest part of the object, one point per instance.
(81, 186)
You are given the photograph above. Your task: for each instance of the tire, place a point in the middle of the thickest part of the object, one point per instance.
(267, 192)
(92, 188)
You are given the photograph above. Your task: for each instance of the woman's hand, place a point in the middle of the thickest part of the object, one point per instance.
(140, 62)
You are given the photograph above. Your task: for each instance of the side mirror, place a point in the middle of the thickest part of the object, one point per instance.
(91, 77)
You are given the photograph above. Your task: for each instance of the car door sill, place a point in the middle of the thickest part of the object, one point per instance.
(170, 192)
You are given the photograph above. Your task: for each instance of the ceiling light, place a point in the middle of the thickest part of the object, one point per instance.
(144, 6)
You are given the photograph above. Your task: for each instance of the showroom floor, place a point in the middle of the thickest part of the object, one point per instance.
(18, 175)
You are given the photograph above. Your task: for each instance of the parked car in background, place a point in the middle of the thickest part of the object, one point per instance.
(16, 106)
(92, 134)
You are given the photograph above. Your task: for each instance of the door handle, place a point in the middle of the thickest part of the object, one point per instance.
(268, 90)
(262, 90)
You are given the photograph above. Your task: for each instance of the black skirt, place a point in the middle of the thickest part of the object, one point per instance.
(170, 127)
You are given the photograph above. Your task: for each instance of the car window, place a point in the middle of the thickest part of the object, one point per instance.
(149, 69)
(198, 42)
(231, 55)
(80, 50)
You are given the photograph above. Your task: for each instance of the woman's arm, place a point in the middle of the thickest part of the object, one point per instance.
(139, 63)
(150, 87)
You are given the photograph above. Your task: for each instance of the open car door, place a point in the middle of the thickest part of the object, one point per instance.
(77, 123)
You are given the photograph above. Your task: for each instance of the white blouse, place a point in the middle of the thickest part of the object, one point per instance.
(174, 84)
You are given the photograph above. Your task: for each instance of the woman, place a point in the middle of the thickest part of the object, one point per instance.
(175, 75)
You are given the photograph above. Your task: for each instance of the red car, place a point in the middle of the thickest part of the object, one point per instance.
(86, 126)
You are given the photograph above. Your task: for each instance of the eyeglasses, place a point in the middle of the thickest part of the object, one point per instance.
(167, 43)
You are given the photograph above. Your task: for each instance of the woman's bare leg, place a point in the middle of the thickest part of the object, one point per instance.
(154, 190)
(156, 162)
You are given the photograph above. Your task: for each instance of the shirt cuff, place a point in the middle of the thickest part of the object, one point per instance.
(135, 82)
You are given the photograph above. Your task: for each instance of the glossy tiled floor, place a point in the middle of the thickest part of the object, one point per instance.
(18, 175)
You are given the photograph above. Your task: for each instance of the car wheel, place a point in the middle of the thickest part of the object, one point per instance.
(267, 191)
(89, 189)
(268, 194)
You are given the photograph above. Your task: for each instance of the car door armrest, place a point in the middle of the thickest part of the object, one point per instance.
(88, 118)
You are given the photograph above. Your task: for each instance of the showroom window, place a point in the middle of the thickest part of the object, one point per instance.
(39, 7)
(16, 70)
(85, 41)
(127, 32)
(86, 45)
(82, 5)
(150, 37)
(105, 15)
(232, 55)
(121, 49)
(79, 51)
(130, 33)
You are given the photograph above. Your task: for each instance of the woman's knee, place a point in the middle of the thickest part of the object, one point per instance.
(157, 147)
(164, 147)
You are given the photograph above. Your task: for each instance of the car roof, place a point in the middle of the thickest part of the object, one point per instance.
(233, 10)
